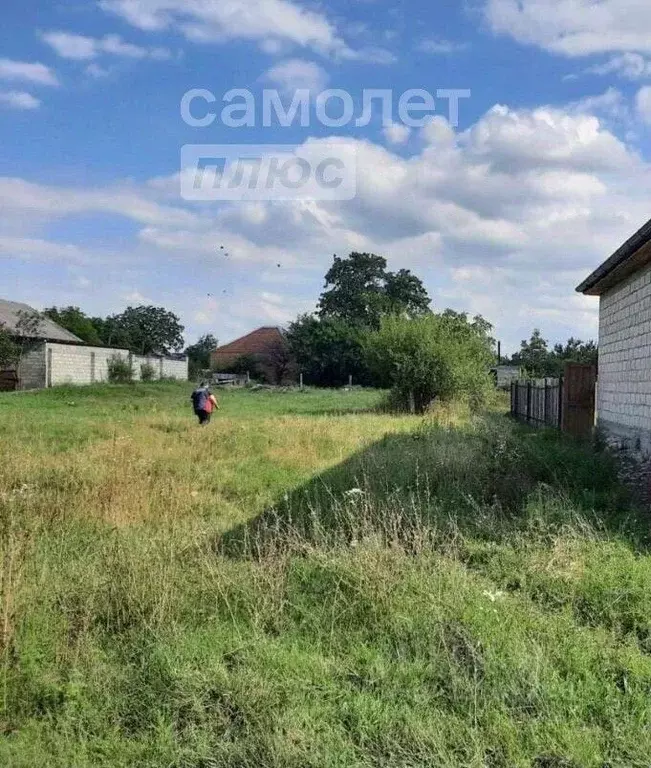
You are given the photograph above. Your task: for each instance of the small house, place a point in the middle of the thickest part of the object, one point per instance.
(263, 352)
(623, 285)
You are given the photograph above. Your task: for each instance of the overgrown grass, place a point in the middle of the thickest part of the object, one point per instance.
(308, 582)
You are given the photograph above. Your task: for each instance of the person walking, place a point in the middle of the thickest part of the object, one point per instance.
(203, 403)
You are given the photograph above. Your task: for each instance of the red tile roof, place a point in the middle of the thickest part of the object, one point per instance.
(258, 342)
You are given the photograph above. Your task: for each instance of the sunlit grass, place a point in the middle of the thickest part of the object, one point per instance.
(309, 582)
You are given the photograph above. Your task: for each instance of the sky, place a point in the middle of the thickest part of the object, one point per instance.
(501, 212)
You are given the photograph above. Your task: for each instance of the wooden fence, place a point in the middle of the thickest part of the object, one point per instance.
(538, 402)
(567, 403)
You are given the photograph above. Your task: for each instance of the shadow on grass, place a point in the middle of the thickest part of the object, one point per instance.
(489, 481)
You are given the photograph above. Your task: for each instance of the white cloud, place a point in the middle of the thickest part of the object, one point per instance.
(32, 72)
(504, 219)
(631, 66)
(37, 249)
(19, 100)
(574, 27)
(612, 103)
(297, 74)
(396, 133)
(440, 46)
(643, 104)
(82, 48)
(260, 20)
(136, 297)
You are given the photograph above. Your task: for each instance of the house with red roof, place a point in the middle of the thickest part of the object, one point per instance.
(264, 349)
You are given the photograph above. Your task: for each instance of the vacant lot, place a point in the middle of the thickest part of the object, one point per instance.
(308, 582)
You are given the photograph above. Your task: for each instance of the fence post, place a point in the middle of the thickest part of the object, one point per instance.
(513, 413)
(545, 403)
(561, 384)
(529, 401)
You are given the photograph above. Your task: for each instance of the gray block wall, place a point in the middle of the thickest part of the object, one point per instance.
(624, 388)
(32, 369)
(72, 364)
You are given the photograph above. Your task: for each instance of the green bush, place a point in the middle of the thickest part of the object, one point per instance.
(147, 372)
(120, 370)
(435, 356)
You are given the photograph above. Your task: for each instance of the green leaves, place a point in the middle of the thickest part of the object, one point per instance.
(431, 356)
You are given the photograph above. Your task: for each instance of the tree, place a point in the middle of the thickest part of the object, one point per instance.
(405, 294)
(147, 330)
(279, 360)
(75, 321)
(110, 332)
(328, 350)
(199, 354)
(8, 349)
(533, 355)
(360, 291)
(433, 356)
(538, 361)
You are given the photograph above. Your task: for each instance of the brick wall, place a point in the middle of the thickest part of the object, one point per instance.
(624, 387)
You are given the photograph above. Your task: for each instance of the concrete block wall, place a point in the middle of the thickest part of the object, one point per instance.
(164, 367)
(175, 369)
(624, 389)
(32, 370)
(77, 364)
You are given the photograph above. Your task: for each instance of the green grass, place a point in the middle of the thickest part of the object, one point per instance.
(310, 582)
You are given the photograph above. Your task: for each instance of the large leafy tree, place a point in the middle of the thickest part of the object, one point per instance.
(199, 353)
(328, 350)
(75, 321)
(147, 330)
(360, 291)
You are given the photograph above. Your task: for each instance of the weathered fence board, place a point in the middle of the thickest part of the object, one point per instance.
(537, 402)
(567, 403)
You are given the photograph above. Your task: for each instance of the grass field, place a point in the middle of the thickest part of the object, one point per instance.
(309, 582)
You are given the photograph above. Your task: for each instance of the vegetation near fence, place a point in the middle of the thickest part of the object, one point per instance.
(311, 583)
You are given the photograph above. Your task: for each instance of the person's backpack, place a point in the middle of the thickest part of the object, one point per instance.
(200, 399)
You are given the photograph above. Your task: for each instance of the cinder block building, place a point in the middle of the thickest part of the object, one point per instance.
(53, 356)
(623, 284)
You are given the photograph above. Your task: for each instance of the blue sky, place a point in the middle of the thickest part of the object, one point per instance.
(504, 214)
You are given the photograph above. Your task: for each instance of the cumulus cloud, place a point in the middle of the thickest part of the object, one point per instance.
(83, 48)
(297, 74)
(19, 100)
(260, 20)
(504, 218)
(396, 133)
(630, 66)
(643, 104)
(574, 27)
(27, 71)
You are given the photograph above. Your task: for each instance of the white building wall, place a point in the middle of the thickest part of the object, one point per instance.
(624, 389)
